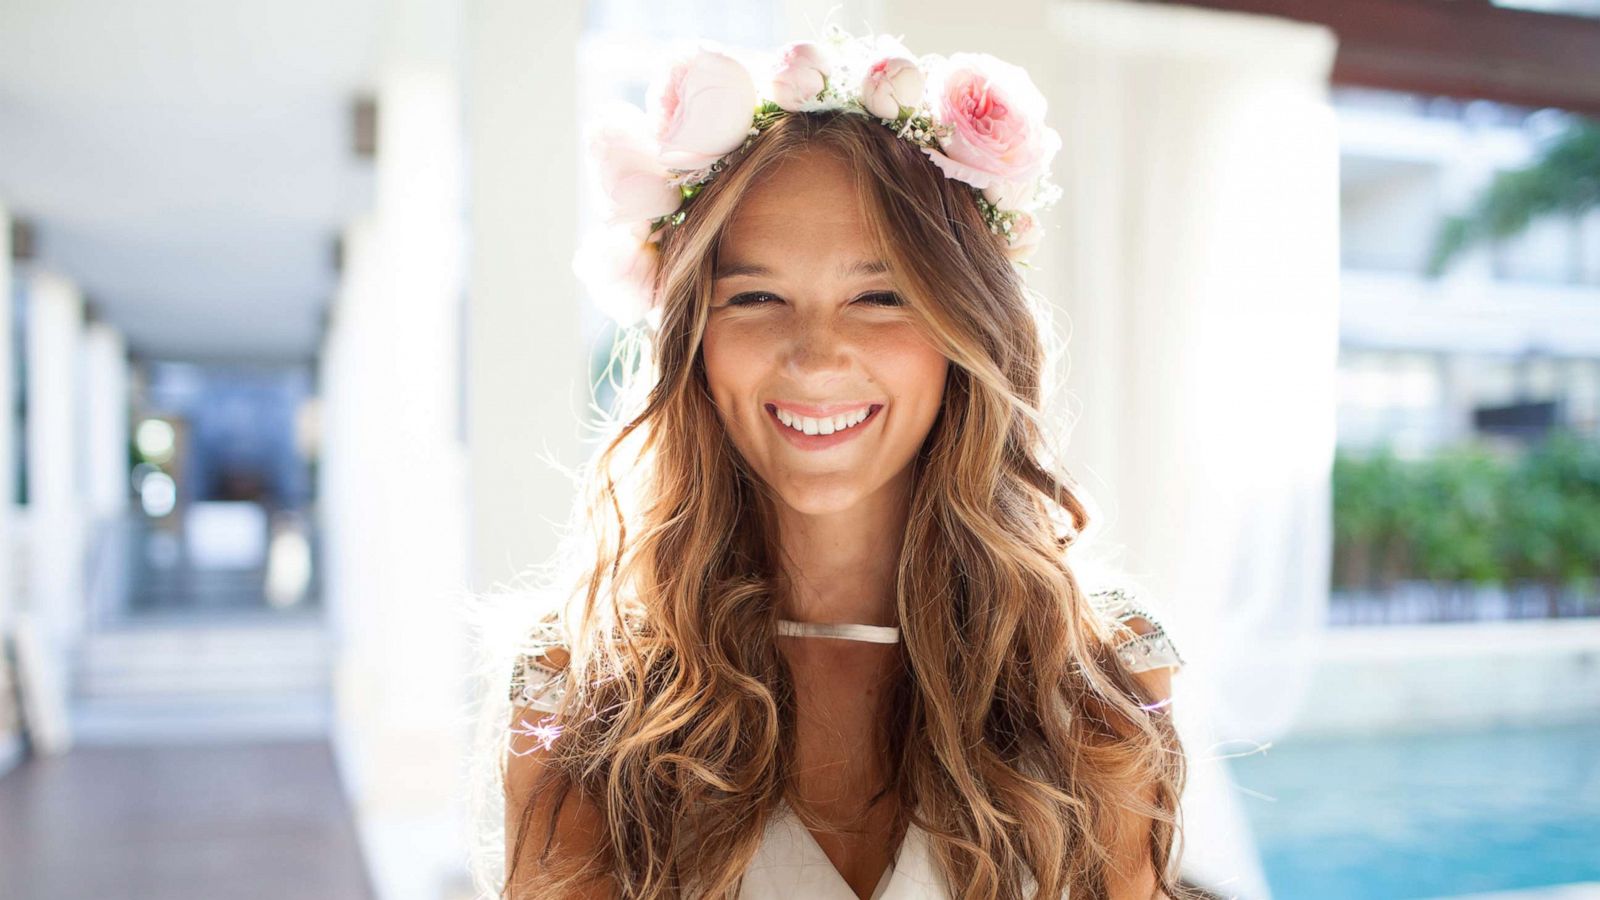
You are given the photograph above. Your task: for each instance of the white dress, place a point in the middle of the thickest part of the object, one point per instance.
(789, 863)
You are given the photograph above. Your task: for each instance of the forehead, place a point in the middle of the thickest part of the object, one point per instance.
(806, 204)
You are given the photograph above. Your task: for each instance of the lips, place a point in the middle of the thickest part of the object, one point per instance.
(805, 441)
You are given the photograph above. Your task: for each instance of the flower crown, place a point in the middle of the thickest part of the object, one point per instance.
(979, 119)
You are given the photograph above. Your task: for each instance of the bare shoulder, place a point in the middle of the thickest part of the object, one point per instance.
(1156, 679)
(1140, 637)
(543, 807)
(1153, 659)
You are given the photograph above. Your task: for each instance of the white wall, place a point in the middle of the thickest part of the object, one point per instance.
(1388, 216)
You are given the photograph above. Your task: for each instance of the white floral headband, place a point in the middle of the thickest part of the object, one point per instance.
(979, 119)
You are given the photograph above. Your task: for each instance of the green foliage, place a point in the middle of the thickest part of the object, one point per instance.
(1457, 515)
(1565, 179)
(1553, 533)
(1468, 515)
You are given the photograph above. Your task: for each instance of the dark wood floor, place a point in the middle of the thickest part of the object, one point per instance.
(222, 822)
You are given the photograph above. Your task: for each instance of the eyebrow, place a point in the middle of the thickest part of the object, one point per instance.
(849, 270)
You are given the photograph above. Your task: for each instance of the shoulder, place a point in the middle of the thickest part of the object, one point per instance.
(537, 683)
(543, 806)
(1140, 637)
(539, 678)
(1149, 653)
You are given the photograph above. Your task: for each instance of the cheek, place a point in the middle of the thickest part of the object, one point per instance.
(729, 363)
(918, 371)
(713, 356)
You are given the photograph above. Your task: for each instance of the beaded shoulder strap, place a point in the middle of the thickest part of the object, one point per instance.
(1152, 650)
(537, 685)
(539, 675)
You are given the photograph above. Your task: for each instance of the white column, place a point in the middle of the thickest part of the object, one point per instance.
(1199, 249)
(527, 363)
(8, 460)
(55, 491)
(10, 724)
(394, 489)
(1192, 266)
(53, 597)
(106, 420)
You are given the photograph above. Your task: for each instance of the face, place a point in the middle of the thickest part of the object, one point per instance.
(807, 326)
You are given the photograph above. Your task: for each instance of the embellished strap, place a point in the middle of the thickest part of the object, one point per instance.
(537, 685)
(1152, 650)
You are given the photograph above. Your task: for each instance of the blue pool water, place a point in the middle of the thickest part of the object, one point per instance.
(1401, 818)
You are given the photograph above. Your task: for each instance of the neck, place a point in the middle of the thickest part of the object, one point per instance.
(840, 566)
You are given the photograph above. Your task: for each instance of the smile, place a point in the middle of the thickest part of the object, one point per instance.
(825, 432)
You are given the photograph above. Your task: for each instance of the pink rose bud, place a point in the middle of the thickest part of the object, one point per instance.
(633, 179)
(891, 83)
(703, 108)
(800, 75)
(998, 137)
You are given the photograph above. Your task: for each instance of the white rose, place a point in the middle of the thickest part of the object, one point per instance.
(800, 75)
(618, 266)
(632, 177)
(702, 110)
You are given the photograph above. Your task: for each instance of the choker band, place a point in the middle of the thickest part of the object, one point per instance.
(877, 634)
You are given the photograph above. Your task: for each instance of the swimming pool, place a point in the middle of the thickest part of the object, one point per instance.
(1408, 817)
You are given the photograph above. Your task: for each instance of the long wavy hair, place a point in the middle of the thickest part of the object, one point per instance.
(1018, 740)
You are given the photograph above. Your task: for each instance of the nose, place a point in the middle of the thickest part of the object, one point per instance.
(817, 346)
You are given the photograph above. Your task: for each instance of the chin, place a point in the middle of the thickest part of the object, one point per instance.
(822, 501)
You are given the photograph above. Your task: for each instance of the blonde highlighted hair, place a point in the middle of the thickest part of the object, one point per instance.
(1018, 740)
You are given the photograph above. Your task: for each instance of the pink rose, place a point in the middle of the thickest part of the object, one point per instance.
(633, 179)
(1026, 233)
(703, 108)
(892, 81)
(800, 75)
(998, 137)
(618, 267)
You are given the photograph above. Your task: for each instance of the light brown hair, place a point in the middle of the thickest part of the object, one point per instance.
(1018, 741)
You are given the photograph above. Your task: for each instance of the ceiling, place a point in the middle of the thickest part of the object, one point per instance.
(188, 163)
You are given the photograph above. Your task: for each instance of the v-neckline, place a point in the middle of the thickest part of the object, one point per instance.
(884, 880)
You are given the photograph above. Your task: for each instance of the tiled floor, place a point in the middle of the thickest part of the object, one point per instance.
(218, 821)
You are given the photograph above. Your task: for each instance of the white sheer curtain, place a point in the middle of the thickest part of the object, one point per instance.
(1194, 262)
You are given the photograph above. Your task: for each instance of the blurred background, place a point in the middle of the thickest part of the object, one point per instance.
(294, 352)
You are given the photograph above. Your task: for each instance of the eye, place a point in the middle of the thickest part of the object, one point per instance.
(749, 298)
(882, 298)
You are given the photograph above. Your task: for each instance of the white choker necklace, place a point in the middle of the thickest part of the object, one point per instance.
(877, 634)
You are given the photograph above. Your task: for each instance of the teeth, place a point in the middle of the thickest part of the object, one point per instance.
(825, 425)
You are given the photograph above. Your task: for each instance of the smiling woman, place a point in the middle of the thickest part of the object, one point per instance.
(828, 643)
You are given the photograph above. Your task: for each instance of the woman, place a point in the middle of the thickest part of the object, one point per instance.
(828, 643)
